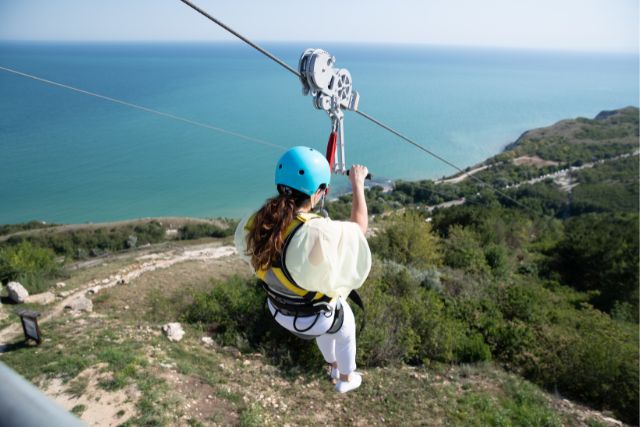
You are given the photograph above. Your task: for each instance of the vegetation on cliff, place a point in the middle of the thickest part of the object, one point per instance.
(546, 287)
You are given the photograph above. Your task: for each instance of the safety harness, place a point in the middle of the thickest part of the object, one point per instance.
(290, 299)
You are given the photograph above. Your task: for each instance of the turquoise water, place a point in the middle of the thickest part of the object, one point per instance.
(66, 157)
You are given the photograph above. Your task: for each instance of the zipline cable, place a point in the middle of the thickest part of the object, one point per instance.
(410, 141)
(147, 109)
(361, 113)
(241, 37)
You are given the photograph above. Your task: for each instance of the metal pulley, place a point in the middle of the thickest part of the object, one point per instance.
(332, 91)
(331, 87)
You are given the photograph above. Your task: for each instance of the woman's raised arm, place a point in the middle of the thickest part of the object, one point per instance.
(359, 213)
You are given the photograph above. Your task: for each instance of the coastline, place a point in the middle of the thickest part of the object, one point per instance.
(100, 162)
(386, 184)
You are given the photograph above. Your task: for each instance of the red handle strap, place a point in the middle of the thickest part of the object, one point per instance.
(331, 149)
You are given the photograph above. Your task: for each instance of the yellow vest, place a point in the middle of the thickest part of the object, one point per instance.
(277, 277)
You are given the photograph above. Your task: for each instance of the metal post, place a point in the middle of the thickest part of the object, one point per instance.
(23, 405)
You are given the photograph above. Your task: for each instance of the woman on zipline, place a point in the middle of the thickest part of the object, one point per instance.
(308, 264)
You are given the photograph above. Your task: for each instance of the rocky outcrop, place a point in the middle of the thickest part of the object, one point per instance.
(80, 303)
(42, 299)
(17, 292)
(173, 331)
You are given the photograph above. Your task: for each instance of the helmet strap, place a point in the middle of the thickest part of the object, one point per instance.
(322, 211)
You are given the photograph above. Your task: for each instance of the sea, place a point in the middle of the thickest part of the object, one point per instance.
(66, 157)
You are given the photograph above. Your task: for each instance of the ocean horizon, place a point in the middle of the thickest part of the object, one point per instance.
(70, 158)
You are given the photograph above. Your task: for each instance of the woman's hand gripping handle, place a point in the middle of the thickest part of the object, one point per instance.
(369, 176)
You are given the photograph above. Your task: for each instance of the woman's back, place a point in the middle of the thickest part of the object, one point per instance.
(308, 264)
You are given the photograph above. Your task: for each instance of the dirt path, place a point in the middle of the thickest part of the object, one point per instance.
(144, 264)
(460, 178)
(535, 161)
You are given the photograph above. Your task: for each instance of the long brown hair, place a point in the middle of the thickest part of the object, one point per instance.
(266, 235)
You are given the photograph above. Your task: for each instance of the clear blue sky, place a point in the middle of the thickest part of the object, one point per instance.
(587, 25)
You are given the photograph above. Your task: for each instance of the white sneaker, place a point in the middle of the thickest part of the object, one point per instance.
(355, 379)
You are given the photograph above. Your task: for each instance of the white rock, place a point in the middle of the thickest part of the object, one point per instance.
(94, 290)
(207, 340)
(80, 303)
(60, 285)
(105, 281)
(612, 421)
(64, 294)
(43, 298)
(173, 331)
(17, 293)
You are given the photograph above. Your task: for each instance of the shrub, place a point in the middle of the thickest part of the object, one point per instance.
(14, 228)
(462, 250)
(340, 209)
(405, 320)
(82, 243)
(497, 258)
(407, 239)
(197, 231)
(588, 357)
(607, 187)
(31, 265)
(551, 336)
(236, 311)
(555, 339)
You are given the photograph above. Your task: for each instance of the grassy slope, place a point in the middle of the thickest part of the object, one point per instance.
(194, 384)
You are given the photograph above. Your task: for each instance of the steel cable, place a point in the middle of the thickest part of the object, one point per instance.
(410, 141)
(147, 109)
(361, 113)
(241, 37)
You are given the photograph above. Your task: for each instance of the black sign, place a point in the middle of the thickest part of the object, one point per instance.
(30, 326)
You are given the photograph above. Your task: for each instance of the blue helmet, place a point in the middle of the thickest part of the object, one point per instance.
(303, 169)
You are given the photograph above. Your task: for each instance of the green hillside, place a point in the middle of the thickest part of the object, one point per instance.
(491, 310)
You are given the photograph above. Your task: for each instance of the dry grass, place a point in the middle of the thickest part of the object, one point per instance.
(533, 161)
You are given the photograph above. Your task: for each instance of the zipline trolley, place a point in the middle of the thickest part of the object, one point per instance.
(332, 91)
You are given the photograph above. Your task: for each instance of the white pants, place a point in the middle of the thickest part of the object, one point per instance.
(339, 347)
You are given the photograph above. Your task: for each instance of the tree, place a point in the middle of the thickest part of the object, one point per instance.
(407, 239)
(600, 253)
(463, 250)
